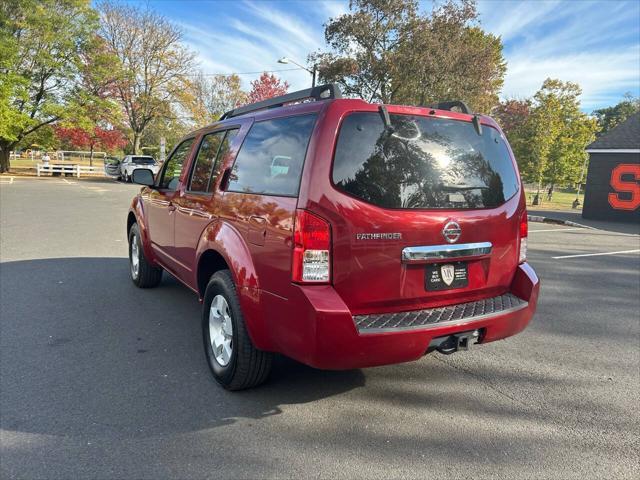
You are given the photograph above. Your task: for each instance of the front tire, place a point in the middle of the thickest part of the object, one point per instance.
(143, 273)
(235, 362)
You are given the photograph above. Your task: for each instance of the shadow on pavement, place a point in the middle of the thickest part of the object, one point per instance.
(84, 352)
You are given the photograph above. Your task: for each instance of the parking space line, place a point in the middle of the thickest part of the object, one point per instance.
(4, 180)
(556, 229)
(596, 254)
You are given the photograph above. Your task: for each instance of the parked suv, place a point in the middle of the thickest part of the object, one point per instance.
(133, 162)
(340, 233)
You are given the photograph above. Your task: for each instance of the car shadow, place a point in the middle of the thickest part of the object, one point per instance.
(84, 352)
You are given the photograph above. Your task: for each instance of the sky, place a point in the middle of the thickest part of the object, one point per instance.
(593, 43)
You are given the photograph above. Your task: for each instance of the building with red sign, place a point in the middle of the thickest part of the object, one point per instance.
(613, 181)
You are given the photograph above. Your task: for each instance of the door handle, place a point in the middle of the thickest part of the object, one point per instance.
(258, 221)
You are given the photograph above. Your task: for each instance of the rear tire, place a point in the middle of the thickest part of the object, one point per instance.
(143, 273)
(245, 366)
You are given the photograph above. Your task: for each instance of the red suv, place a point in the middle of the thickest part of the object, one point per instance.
(340, 233)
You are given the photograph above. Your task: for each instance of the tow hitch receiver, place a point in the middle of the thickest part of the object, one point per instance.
(452, 343)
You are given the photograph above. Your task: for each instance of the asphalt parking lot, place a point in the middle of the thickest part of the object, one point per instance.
(100, 379)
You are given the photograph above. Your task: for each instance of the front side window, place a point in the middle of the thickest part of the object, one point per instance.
(422, 162)
(271, 158)
(173, 166)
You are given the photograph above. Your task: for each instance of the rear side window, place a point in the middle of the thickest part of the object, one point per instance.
(213, 148)
(424, 162)
(272, 155)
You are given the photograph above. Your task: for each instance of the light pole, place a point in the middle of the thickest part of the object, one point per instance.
(286, 60)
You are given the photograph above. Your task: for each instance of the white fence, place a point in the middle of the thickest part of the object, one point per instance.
(76, 170)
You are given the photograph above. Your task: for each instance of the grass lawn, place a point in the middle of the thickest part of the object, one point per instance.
(561, 200)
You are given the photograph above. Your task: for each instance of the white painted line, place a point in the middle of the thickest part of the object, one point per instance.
(596, 254)
(68, 182)
(4, 180)
(556, 230)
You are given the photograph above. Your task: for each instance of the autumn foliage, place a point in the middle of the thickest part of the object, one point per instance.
(265, 87)
(98, 139)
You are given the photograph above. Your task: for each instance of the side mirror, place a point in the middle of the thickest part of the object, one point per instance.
(143, 176)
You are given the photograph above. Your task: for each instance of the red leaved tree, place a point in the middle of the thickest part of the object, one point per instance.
(267, 86)
(97, 139)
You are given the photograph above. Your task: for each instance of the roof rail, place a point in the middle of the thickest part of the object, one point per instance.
(451, 104)
(321, 92)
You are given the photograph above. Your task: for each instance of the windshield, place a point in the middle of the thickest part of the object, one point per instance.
(143, 160)
(424, 162)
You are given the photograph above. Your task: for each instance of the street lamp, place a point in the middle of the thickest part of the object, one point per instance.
(286, 60)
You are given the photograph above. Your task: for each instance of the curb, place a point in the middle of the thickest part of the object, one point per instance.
(555, 221)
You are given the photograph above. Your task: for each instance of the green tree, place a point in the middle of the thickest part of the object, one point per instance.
(388, 51)
(153, 64)
(448, 56)
(609, 117)
(551, 143)
(41, 45)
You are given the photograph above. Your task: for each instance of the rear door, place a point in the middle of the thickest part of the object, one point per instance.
(196, 204)
(427, 212)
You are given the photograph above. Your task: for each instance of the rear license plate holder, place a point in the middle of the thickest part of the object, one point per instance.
(446, 276)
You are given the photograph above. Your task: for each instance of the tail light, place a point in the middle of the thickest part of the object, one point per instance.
(524, 232)
(312, 249)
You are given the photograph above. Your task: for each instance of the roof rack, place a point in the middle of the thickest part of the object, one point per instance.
(451, 104)
(321, 92)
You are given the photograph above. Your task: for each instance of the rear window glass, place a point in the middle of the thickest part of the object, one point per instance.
(272, 155)
(424, 163)
(143, 160)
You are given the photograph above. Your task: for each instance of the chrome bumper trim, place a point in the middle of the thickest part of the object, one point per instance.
(442, 252)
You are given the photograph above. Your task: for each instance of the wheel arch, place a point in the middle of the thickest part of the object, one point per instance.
(221, 247)
(136, 215)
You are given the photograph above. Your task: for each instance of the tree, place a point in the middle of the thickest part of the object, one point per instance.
(265, 87)
(98, 138)
(41, 44)
(550, 141)
(609, 117)
(513, 117)
(448, 56)
(387, 51)
(366, 46)
(207, 98)
(152, 64)
(92, 124)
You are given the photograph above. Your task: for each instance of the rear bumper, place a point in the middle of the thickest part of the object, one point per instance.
(323, 333)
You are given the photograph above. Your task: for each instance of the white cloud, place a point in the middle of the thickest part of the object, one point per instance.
(598, 73)
(253, 42)
(334, 9)
(514, 20)
(591, 43)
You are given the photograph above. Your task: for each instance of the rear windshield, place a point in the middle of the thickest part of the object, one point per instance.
(143, 160)
(424, 162)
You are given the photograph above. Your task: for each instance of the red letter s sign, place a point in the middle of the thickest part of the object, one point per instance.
(629, 186)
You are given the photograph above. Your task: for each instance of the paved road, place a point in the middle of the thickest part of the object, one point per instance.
(102, 380)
